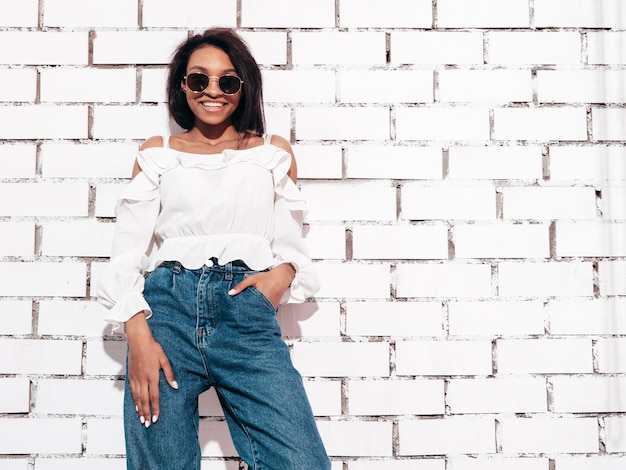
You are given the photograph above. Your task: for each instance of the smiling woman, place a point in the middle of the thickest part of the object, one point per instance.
(208, 243)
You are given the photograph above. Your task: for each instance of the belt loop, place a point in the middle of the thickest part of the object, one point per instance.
(229, 271)
(177, 268)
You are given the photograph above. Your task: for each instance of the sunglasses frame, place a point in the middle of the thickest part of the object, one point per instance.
(209, 77)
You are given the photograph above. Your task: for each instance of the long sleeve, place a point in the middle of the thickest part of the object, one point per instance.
(120, 288)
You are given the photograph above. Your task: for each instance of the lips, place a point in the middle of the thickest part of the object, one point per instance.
(212, 104)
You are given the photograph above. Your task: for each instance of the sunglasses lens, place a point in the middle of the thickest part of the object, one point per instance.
(197, 82)
(229, 84)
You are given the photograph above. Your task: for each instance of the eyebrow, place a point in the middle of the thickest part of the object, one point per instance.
(203, 69)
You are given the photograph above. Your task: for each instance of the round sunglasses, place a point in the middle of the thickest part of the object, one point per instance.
(197, 82)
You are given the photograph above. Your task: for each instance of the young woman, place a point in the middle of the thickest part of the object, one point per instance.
(208, 243)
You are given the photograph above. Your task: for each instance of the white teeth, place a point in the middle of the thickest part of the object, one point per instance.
(208, 104)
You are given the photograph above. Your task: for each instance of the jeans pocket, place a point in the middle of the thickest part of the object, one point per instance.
(263, 297)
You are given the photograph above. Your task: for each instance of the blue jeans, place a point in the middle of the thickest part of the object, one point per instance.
(232, 343)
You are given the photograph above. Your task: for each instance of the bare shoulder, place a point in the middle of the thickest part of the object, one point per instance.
(154, 141)
(282, 143)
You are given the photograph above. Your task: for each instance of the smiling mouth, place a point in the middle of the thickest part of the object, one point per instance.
(212, 104)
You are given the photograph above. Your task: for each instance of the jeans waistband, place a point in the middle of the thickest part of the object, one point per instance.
(212, 264)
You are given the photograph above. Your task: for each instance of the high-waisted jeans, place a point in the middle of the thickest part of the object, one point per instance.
(232, 343)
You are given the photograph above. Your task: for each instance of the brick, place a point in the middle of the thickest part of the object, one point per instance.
(18, 84)
(590, 239)
(301, 86)
(135, 47)
(98, 13)
(443, 358)
(43, 122)
(581, 86)
(536, 47)
(448, 201)
(23, 14)
(597, 163)
(492, 86)
(615, 427)
(101, 160)
(516, 163)
(587, 317)
(452, 435)
(394, 319)
(91, 239)
(501, 240)
(80, 397)
(215, 439)
(342, 359)
(482, 14)
(545, 279)
(498, 463)
(357, 438)
(18, 160)
(587, 394)
(591, 462)
(539, 435)
(59, 317)
(392, 86)
(606, 47)
(324, 396)
(326, 241)
(92, 463)
(267, 47)
(544, 356)
(342, 123)
(611, 355)
(15, 464)
(309, 319)
(396, 397)
(394, 162)
(153, 82)
(44, 199)
(24, 356)
(278, 120)
(81, 85)
(129, 122)
(375, 201)
(546, 203)
(495, 318)
(345, 48)
(40, 436)
(107, 195)
(564, 124)
(209, 404)
(608, 124)
(442, 123)
(400, 241)
(319, 161)
(15, 395)
(436, 47)
(614, 202)
(412, 464)
(497, 395)
(43, 48)
(17, 239)
(579, 14)
(288, 14)
(105, 357)
(612, 277)
(16, 317)
(105, 436)
(443, 280)
(159, 14)
(398, 14)
(42, 279)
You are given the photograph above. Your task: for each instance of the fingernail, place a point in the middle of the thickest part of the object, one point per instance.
(147, 424)
(175, 385)
(136, 409)
(141, 418)
(231, 292)
(154, 419)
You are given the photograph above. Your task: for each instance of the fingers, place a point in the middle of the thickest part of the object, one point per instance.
(168, 372)
(247, 282)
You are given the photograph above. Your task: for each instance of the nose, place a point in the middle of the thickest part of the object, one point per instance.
(213, 88)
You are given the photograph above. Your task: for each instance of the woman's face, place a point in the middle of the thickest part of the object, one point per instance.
(211, 106)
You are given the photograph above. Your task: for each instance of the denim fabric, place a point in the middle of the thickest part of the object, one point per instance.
(232, 343)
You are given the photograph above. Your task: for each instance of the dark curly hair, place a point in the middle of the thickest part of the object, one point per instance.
(249, 116)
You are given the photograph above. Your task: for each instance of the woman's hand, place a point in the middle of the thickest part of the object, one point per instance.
(272, 283)
(145, 361)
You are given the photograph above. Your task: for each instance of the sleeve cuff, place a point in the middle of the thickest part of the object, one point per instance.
(125, 309)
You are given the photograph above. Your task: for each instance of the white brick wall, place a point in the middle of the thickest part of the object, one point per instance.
(466, 171)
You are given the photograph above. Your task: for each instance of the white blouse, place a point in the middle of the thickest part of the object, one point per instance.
(238, 204)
